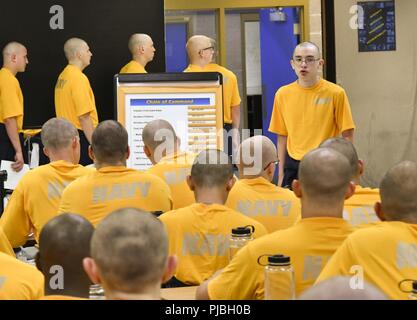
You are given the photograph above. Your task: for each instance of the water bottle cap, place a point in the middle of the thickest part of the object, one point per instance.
(243, 231)
(279, 259)
(413, 285)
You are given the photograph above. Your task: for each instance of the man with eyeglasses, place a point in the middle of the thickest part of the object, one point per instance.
(200, 51)
(254, 194)
(307, 112)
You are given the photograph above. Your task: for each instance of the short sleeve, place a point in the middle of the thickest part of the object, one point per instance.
(277, 124)
(343, 114)
(82, 96)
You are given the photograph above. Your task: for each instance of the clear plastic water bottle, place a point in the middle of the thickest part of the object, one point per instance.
(239, 238)
(279, 278)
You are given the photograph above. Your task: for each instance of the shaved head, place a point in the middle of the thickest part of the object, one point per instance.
(398, 191)
(58, 133)
(309, 45)
(65, 238)
(137, 40)
(15, 57)
(255, 154)
(72, 47)
(65, 241)
(324, 175)
(12, 48)
(157, 132)
(110, 142)
(142, 48)
(130, 248)
(339, 288)
(211, 168)
(197, 43)
(346, 148)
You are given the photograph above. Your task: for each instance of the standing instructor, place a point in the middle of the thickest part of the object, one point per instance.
(307, 112)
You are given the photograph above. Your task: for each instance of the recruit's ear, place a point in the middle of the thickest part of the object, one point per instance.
(378, 211)
(171, 265)
(296, 188)
(91, 270)
(190, 183)
(91, 153)
(230, 183)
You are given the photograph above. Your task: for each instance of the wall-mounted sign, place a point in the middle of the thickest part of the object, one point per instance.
(377, 29)
(191, 102)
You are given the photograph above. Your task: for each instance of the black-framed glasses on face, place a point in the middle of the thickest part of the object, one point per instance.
(208, 48)
(274, 162)
(307, 60)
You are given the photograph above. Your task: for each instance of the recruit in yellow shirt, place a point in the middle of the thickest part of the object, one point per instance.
(359, 209)
(133, 67)
(173, 169)
(74, 96)
(199, 236)
(19, 280)
(5, 246)
(308, 116)
(231, 97)
(99, 193)
(36, 199)
(309, 244)
(11, 98)
(276, 208)
(386, 254)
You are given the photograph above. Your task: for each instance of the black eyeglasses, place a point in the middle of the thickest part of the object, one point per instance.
(307, 60)
(208, 48)
(274, 162)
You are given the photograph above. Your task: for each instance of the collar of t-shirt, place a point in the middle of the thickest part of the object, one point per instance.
(116, 169)
(195, 67)
(399, 225)
(259, 181)
(63, 163)
(322, 222)
(203, 208)
(9, 73)
(76, 69)
(362, 190)
(312, 88)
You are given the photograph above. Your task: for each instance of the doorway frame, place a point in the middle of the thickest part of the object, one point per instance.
(245, 17)
(220, 7)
